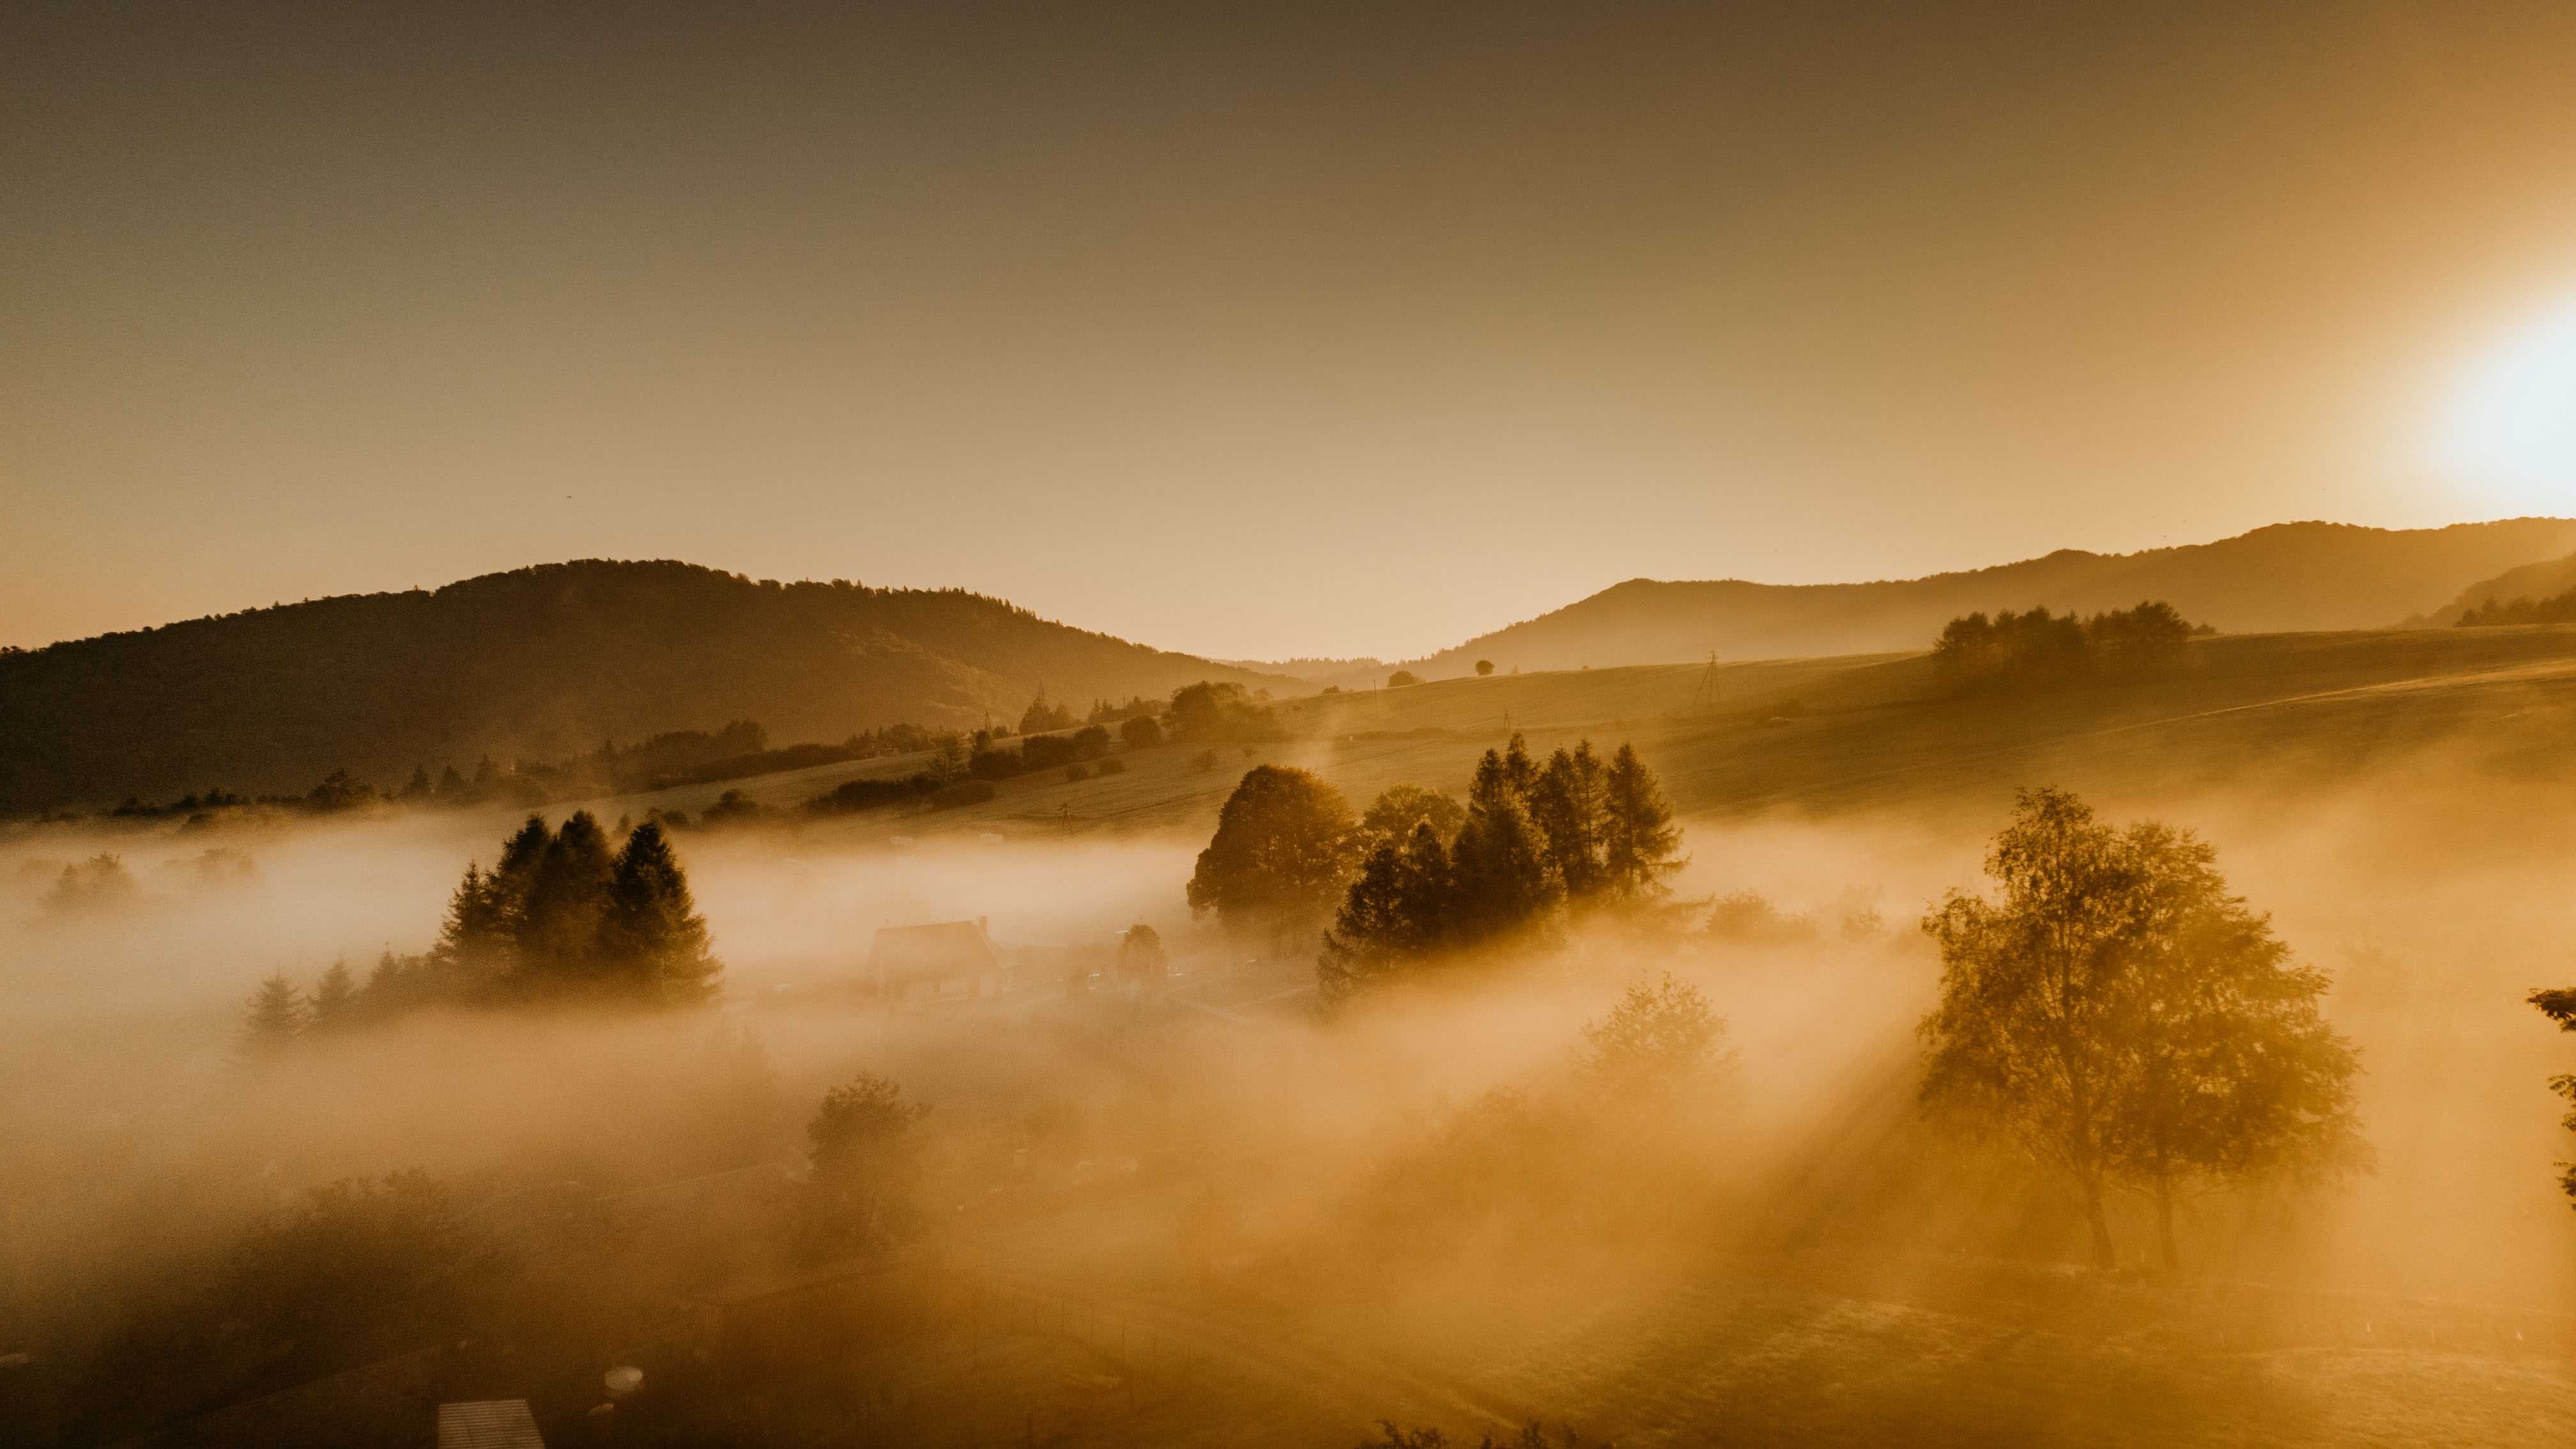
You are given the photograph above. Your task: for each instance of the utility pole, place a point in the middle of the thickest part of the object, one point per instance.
(1707, 691)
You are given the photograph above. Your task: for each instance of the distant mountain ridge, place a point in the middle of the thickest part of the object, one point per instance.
(536, 663)
(2289, 576)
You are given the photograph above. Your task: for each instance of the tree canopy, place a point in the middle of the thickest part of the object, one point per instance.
(2122, 1019)
(1280, 856)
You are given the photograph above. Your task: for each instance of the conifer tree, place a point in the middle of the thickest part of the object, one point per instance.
(652, 941)
(1504, 883)
(335, 999)
(1567, 803)
(275, 1018)
(1395, 913)
(567, 894)
(1638, 839)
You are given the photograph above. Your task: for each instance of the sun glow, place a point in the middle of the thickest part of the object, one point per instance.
(2511, 425)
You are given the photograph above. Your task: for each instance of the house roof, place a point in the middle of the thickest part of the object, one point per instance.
(947, 946)
(488, 1424)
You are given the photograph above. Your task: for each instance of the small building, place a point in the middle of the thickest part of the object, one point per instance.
(948, 958)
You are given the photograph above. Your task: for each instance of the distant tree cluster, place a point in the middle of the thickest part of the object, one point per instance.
(2041, 650)
(100, 883)
(990, 761)
(2556, 609)
(2121, 1019)
(1573, 833)
(560, 918)
(1041, 716)
(1207, 713)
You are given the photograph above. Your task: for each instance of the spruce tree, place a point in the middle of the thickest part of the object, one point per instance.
(275, 1018)
(1639, 842)
(335, 999)
(559, 930)
(1567, 803)
(1504, 882)
(652, 942)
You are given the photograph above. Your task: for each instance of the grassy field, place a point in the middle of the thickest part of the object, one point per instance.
(1826, 735)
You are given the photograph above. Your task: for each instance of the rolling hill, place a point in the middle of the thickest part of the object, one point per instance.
(2290, 576)
(2275, 713)
(2545, 580)
(537, 663)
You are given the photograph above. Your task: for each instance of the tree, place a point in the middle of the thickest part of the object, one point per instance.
(275, 1018)
(2120, 1018)
(335, 999)
(863, 1154)
(1401, 678)
(1569, 804)
(567, 892)
(652, 941)
(1280, 855)
(1484, 667)
(1505, 882)
(1662, 1044)
(1141, 956)
(2559, 1005)
(1639, 843)
(1141, 732)
(1399, 808)
(1396, 912)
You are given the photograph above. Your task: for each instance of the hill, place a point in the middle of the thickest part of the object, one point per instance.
(537, 663)
(2544, 580)
(2291, 576)
(1859, 734)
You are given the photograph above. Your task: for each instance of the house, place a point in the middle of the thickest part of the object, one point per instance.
(949, 958)
(488, 1424)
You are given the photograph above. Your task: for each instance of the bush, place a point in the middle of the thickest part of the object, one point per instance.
(1003, 764)
(1075, 774)
(964, 792)
(867, 794)
(1401, 678)
(1203, 763)
(1141, 733)
(1484, 667)
(1111, 766)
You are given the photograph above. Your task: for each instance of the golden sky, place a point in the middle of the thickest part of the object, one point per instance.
(1255, 332)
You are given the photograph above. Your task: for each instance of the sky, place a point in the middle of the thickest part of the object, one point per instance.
(1259, 331)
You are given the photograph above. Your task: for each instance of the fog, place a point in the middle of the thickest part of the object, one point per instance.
(1335, 1212)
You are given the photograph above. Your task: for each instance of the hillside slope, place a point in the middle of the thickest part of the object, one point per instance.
(2299, 714)
(539, 663)
(2291, 576)
(2545, 580)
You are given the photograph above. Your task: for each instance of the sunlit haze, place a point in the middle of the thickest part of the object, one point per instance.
(1246, 726)
(1062, 304)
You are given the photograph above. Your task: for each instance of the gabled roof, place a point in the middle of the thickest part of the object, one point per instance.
(488, 1424)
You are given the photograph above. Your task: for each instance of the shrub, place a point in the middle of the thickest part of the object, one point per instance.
(1111, 766)
(1203, 763)
(1141, 733)
(1401, 678)
(1077, 773)
(964, 792)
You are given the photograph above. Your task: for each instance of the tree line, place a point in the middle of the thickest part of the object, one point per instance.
(560, 917)
(2040, 650)
(1423, 879)
(2556, 609)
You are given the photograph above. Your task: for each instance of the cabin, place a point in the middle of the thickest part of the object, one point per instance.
(947, 958)
(488, 1424)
